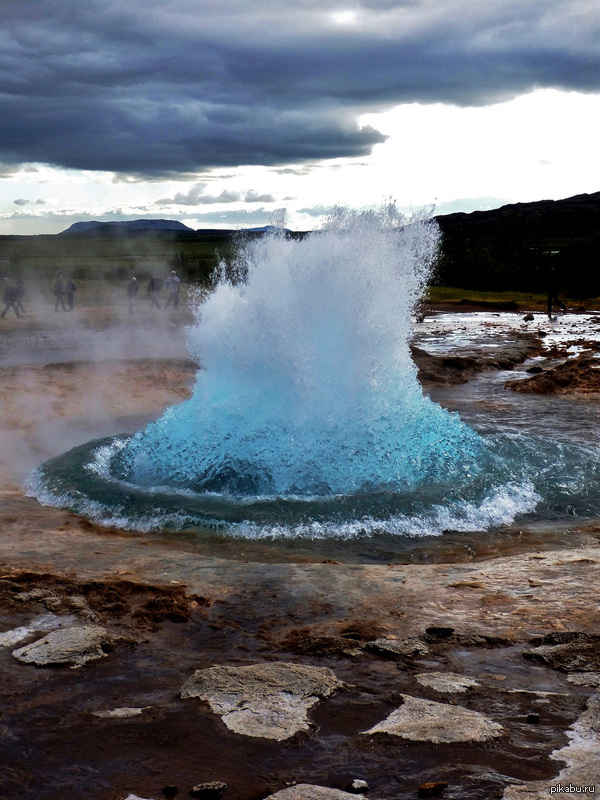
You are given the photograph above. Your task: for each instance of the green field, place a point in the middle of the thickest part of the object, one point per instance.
(141, 253)
(101, 264)
(524, 300)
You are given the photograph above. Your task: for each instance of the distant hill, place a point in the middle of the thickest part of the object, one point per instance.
(137, 224)
(513, 247)
(506, 249)
(267, 229)
(159, 225)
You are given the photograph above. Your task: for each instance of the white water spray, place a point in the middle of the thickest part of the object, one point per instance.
(308, 385)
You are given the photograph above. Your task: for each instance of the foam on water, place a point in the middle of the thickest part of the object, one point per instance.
(307, 418)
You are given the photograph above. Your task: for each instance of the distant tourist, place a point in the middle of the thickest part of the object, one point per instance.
(20, 294)
(10, 300)
(154, 287)
(70, 289)
(553, 292)
(172, 286)
(59, 294)
(132, 290)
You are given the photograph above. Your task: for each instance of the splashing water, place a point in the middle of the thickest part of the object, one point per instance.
(307, 417)
(309, 387)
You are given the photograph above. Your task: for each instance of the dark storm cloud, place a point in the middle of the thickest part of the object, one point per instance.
(148, 87)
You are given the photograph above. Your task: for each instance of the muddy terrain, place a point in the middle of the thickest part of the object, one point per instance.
(139, 666)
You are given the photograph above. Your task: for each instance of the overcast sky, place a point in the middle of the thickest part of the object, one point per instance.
(220, 113)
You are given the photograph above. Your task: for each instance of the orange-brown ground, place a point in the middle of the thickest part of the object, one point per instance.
(178, 609)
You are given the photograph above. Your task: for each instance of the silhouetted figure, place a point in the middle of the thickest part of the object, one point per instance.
(20, 294)
(154, 287)
(9, 298)
(172, 287)
(70, 290)
(132, 290)
(59, 294)
(553, 292)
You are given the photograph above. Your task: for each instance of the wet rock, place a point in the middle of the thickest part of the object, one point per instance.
(305, 791)
(454, 369)
(446, 681)
(120, 713)
(149, 605)
(302, 642)
(170, 791)
(446, 370)
(581, 757)
(581, 374)
(358, 785)
(432, 789)
(585, 678)
(427, 721)
(528, 318)
(263, 700)
(533, 719)
(46, 623)
(74, 646)
(393, 647)
(436, 632)
(568, 651)
(209, 790)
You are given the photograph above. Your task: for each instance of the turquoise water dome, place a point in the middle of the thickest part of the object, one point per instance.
(307, 385)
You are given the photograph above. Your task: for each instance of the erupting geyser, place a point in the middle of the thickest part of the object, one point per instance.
(307, 417)
(308, 386)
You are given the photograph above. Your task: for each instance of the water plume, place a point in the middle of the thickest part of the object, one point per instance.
(308, 386)
(307, 418)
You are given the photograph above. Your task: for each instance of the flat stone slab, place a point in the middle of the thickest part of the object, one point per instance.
(270, 700)
(40, 624)
(397, 647)
(427, 721)
(73, 646)
(120, 713)
(446, 681)
(584, 678)
(305, 791)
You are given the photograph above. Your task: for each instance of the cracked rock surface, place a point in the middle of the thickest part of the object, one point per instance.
(427, 721)
(446, 681)
(306, 791)
(263, 700)
(74, 646)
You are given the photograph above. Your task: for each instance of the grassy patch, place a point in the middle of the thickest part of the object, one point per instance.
(525, 300)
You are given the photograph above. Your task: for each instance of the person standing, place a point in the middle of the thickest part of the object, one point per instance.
(59, 294)
(9, 298)
(154, 287)
(553, 292)
(132, 290)
(172, 286)
(20, 293)
(70, 291)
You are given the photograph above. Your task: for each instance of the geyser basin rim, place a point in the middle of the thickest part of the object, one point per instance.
(70, 481)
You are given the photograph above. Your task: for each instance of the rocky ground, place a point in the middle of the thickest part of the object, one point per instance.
(134, 666)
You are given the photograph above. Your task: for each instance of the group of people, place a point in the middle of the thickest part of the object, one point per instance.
(64, 294)
(64, 290)
(171, 284)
